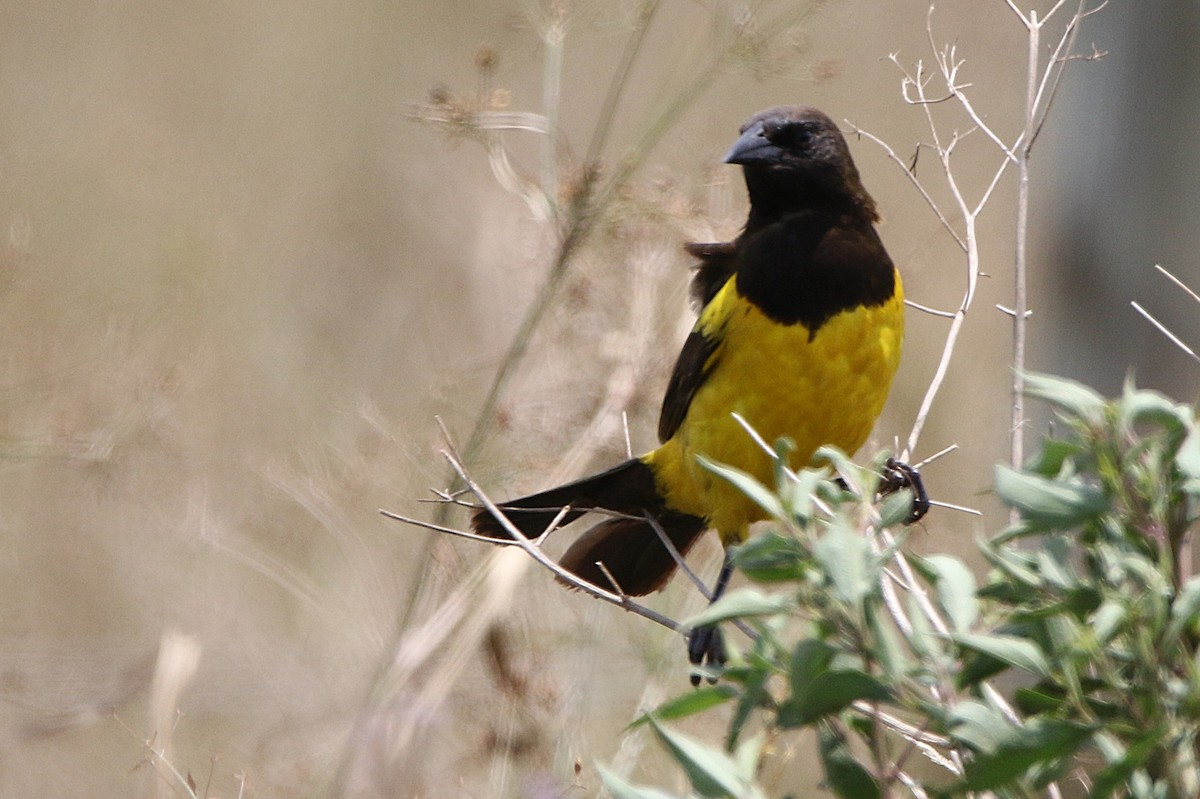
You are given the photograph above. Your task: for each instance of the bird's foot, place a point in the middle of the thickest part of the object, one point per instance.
(898, 475)
(706, 648)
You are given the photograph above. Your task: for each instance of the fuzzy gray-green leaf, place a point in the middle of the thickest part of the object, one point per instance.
(1075, 398)
(739, 603)
(747, 484)
(1049, 503)
(712, 772)
(1019, 652)
(846, 558)
(955, 590)
(620, 789)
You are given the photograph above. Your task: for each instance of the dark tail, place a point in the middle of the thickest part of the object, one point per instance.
(629, 548)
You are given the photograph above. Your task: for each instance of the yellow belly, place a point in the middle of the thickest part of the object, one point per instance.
(827, 390)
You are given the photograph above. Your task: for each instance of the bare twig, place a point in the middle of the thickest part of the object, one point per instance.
(951, 506)
(1040, 85)
(677, 556)
(535, 552)
(1178, 282)
(931, 311)
(941, 453)
(1174, 339)
(887, 149)
(755, 436)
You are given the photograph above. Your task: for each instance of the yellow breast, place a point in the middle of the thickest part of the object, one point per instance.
(827, 388)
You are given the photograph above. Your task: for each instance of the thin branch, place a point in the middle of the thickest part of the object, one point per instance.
(931, 311)
(1017, 11)
(620, 80)
(454, 531)
(950, 506)
(1163, 329)
(1056, 67)
(987, 130)
(677, 556)
(1046, 17)
(535, 552)
(912, 179)
(625, 430)
(553, 36)
(934, 387)
(941, 453)
(987, 194)
(612, 581)
(754, 435)
(1178, 282)
(437, 528)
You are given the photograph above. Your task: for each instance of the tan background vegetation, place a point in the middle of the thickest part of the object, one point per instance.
(240, 280)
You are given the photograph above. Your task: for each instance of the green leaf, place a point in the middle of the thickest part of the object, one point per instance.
(810, 659)
(831, 692)
(978, 725)
(844, 776)
(1049, 503)
(749, 755)
(1052, 455)
(623, 790)
(1042, 741)
(798, 493)
(1142, 787)
(1150, 407)
(1184, 610)
(695, 701)
(784, 447)
(711, 771)
(1038, 700)
(1134, 758)
(1054, 562)
(748, 485)
(1068, 395)
(1188, 457)
(955, 589)
(887, 650)
(845, 468)
(1107, 620)
(896, 508)
(739, 603)
(927, 645)
(846, 558)
(1016, 564)
(754, 695)
(770, 557)
(1019, 652)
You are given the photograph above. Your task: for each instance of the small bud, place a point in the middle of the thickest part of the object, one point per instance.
(486, 59)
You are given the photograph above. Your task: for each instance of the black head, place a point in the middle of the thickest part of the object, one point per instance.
(794, 157)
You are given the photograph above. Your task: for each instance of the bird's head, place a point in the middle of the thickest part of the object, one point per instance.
(794, 157)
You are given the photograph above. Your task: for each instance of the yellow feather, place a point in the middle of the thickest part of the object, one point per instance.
(827, 390)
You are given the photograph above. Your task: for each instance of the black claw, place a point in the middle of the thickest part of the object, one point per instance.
(898, 475)
(706, 647)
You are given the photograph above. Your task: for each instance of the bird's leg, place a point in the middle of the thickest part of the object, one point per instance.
(705, 644)
(898, 475)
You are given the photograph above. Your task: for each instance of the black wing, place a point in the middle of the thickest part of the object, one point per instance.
(693, 367)
(718, 262)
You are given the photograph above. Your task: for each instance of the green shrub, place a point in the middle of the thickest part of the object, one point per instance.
(1088, 613)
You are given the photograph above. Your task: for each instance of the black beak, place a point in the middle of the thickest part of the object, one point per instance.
(752, 146)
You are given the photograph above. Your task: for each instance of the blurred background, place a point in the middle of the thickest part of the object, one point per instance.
(254, 249)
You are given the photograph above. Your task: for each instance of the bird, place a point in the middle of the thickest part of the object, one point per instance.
(799, 333)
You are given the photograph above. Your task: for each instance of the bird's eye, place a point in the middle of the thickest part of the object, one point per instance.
(798, 136)
(791, 136)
